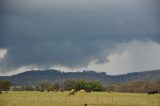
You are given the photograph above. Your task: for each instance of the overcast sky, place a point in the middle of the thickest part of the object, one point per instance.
(113, 36)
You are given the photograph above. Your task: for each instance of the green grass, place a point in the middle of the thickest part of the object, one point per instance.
(26, 98)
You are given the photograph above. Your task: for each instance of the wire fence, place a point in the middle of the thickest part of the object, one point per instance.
(78, 101)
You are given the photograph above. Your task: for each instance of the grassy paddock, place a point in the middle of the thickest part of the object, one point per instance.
(35, 98)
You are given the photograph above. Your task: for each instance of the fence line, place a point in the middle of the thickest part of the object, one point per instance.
(83, 104)
(76, 100)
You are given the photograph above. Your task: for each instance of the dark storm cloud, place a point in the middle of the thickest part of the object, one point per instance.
(73, 32)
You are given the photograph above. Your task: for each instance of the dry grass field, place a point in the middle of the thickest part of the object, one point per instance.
(35, 98)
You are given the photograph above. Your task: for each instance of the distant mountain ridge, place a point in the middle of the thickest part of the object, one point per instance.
(34, 76)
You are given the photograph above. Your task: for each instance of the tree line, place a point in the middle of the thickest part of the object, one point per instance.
(67, 85)
(134, 87)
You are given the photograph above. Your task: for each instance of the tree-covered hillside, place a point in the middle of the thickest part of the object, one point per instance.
(33, 77)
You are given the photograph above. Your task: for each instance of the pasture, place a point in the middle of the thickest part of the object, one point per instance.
(35, 98)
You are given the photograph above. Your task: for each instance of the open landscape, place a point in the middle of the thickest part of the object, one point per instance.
(47, 88)
(79, 53)
(35, 98)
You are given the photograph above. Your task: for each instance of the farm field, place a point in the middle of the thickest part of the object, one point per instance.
(35, 98)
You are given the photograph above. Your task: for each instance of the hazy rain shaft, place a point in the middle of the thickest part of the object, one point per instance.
(74, 33)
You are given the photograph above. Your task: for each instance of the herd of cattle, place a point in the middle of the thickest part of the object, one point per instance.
(152, 92)
(72, 92)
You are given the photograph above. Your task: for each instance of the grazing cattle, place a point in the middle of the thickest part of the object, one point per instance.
(152, 92)
(72, 92)
(61, 90)
(88, 91)
(42, 90)
(82, 91)
(110, 91)
(0, 92)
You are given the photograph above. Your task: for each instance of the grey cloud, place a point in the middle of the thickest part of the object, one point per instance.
(72, 33)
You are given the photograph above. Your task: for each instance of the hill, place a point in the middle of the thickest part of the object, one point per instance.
(34, 76)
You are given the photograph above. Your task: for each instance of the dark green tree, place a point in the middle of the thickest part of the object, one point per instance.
(28, 88)
(45, 85)
(5, 85)
(56, 86)
(69, 84)
(80, 84)
(96, 86)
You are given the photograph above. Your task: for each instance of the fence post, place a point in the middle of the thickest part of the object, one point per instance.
(112, 99)
(37, 98)
(50, 98)
(97, 98)
(81, 98)
(25, 98)
(65, 98)
(11, 98)
(148, 100)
